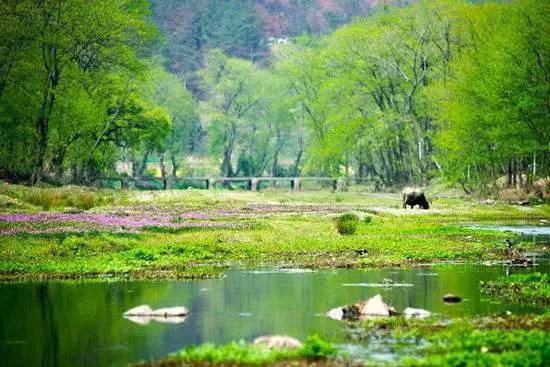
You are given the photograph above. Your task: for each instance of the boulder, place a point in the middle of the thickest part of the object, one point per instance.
(336, 313)
(416, 312)
(144, 320)
(277, 342)
(143, 310)
(169, 320)
(451, 298)
(376, 307)
(171, 311)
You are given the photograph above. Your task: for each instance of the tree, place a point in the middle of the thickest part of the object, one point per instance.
(493, 115)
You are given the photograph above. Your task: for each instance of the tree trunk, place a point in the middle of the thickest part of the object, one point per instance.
(174, 166)
(227, 168)
(42, 124)
(163, 171)
(143, 165)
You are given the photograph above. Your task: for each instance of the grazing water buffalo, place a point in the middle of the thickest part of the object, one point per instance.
(413, 196)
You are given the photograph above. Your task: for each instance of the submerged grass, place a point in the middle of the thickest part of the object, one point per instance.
(520, 288)
(471, 341)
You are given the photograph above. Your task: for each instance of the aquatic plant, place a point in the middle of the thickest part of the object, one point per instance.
(531, 288)
(515, 340)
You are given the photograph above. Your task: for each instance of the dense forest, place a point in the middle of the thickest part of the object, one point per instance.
(394, 93)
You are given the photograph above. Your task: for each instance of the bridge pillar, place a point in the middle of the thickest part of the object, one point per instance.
(253, 184)
(341, 185)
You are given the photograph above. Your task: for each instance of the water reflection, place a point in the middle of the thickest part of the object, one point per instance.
(81, 323)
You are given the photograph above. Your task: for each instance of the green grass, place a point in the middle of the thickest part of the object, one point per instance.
(305, 235)
(520, 288)
(246, 354)
(492, 341)
(57, 198)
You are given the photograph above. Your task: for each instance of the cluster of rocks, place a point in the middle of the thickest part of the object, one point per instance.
(376, 307)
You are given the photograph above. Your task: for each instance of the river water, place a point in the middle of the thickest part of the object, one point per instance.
(69, 323)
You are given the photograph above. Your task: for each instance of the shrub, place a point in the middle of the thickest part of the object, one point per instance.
(346, 224)
(367, 219)
(316, 348)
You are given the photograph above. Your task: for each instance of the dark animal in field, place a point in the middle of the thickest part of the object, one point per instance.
(414, 196)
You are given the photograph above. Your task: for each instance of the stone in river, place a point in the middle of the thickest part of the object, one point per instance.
(171, 311)
(451, 298)
(375, 306)
(143, 310)
(336, 313)
(277, 342)
(416, 312)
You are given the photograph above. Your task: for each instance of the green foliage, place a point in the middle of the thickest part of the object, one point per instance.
(520, 288)
(243, 353)
(346, 224)
(316, 348)
(141, 254)
(496, 96)
(469, 341)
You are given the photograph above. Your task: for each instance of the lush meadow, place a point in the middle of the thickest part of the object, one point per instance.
(192, 233)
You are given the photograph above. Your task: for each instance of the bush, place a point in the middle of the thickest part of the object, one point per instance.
(316, 348)
(367, 219)
(346, 224)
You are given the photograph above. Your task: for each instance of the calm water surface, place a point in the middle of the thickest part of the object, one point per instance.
(67, 323)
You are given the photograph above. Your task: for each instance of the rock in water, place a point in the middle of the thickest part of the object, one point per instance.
(416, 312)
(143, 310)
(277, 342)
(451, 298)
(336, 313)
(376, 307)
(171, 311)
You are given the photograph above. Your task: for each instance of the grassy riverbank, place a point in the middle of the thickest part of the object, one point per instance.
(192, 233)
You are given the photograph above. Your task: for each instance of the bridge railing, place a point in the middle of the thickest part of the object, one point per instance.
(211, 183)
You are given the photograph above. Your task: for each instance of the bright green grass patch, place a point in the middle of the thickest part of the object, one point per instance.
(47, 198)
(303, 234)
(309, 241)
(520, 288)
(484, 342)
(242, 353)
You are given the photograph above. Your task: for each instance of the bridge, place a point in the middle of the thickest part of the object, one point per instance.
(211, 183)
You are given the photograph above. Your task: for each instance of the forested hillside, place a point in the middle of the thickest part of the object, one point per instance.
(244, 28)
(396, 93)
